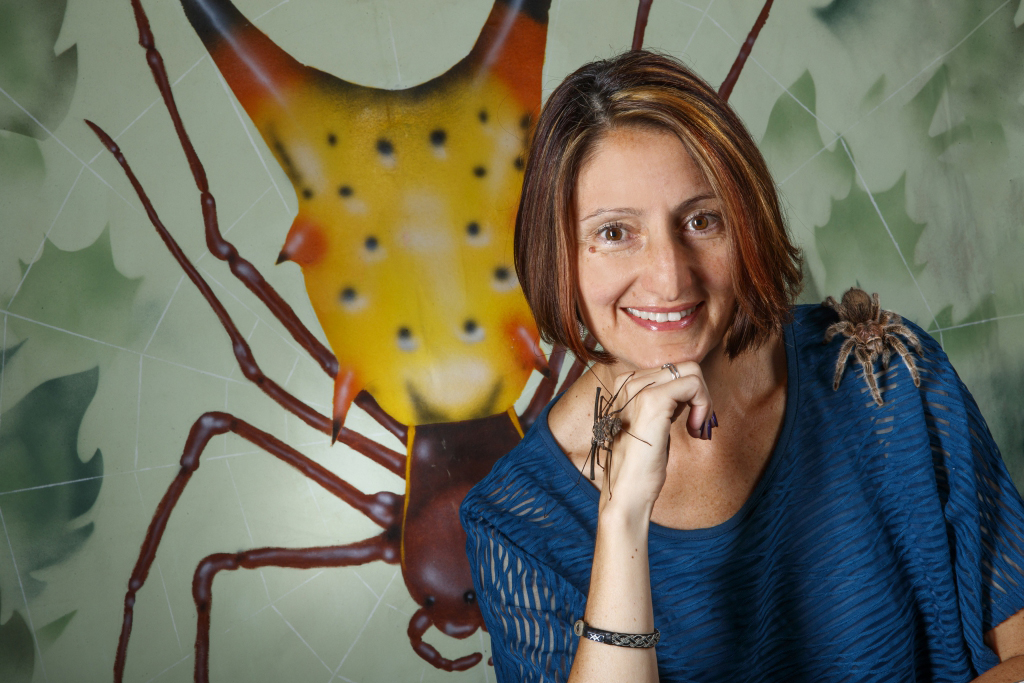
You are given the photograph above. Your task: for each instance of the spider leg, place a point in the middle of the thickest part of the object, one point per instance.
(908, 360)
(907, 334)
(545, 389)
(844, 353)
(616, 412)
(384, 508)
(219, 247)
(382, 547)
(243, 353)
(843, 326)
(869, 375)
(418, 625)
(635, 437)
(578, 366)
(876, 306)
(886, 353)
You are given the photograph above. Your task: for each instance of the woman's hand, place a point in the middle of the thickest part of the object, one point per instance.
(650, 401)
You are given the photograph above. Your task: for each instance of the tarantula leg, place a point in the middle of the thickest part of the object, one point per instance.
(844, 353)
(725, 89)
(843, 327)
(219, 247)
(418, 625)
(869, 375)
(908, 360)
(384, 508)
(383, 547)
(545, 390)
(907, 334)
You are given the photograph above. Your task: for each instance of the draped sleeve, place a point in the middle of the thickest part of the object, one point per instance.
(983, 510)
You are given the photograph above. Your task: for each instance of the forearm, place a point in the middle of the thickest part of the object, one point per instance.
(619, 600)
(1009, 671)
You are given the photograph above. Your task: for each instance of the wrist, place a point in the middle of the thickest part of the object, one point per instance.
(620, 519)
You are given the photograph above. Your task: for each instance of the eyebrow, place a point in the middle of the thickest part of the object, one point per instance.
(682, 208)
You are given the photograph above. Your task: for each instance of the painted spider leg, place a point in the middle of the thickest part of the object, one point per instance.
(844, 353)
(243, 353)
(418, 625)
(904, 352)
(383, 547)
(219, 247)
(737, 66)
(384, 508)
(545, 389)
(642, 12)
(866, 363)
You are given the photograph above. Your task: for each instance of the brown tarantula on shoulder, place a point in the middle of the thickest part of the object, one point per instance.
(870, 332)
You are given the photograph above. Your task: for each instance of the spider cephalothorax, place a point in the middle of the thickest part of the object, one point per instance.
(871, 332)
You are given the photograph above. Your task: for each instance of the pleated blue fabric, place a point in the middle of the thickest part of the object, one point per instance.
(880, 544)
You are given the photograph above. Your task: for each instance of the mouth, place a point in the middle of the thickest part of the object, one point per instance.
(665, 319)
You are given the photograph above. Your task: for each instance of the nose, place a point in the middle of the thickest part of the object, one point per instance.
(668, 269)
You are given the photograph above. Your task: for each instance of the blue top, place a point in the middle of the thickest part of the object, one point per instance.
(880, 544)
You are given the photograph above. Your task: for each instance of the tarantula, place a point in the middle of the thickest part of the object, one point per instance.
(871, 332)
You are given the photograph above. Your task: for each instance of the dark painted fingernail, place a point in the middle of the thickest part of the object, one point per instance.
(714, 418)
(710, 427)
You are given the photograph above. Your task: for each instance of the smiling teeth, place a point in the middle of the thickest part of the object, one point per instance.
(661, 317)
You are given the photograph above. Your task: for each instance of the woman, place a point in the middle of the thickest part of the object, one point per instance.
(815, 535)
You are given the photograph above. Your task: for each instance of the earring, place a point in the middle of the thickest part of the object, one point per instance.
(581, 328)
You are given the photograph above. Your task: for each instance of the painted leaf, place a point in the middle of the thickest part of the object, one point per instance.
(17, 658)
(39, 80)
(39, 447)
(81, 291)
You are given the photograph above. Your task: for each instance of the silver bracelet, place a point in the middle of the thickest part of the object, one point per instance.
(583, 630)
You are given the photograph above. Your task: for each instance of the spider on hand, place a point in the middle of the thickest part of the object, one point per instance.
(871, 332)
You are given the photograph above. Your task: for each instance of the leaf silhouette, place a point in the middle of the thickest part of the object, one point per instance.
(39, 448)
(17, 658)
(39, 80)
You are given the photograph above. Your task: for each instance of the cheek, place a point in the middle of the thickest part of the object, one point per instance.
(600, 284)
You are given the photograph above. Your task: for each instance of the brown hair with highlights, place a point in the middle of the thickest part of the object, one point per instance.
(649, 90)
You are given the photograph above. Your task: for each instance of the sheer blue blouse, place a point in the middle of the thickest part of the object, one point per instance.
(880, 544)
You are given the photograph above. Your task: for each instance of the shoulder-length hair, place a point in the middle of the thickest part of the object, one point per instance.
(649, 90)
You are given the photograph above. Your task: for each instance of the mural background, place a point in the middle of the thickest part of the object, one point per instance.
(895, 131)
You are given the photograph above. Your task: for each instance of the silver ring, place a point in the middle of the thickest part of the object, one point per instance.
(671, 368)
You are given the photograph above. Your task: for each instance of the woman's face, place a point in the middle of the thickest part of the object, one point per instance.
(655, 260)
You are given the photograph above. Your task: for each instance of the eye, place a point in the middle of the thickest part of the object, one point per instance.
(612, 232)
(701, 222)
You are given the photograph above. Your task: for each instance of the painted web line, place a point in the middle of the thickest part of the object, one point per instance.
(895, 92)
(885, 223)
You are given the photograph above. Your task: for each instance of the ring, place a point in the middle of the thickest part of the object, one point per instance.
(671, 368)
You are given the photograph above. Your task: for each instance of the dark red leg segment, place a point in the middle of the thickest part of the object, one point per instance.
(218, 246)
(725, 89)
(384, 547)
(246, 361)
(418, 625)
(384, 508)
(642, 12)
(545, 390)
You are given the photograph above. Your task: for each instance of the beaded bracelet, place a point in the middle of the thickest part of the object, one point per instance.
(583, 630)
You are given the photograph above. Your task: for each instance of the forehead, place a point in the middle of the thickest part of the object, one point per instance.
(633, 167)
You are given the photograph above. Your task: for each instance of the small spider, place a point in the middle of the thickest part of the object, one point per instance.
(871, 332)
(607, 425)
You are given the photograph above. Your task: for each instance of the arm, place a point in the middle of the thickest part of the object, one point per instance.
(1007, 641)
(619, 598)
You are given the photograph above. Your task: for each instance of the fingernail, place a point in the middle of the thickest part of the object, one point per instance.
(714, 418)
(710, 427)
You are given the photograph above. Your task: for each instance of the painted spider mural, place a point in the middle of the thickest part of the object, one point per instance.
(406, 200)
(871, 332)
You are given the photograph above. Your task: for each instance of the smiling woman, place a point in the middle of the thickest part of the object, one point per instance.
(821, 536)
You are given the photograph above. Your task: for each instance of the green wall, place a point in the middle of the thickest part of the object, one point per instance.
(894, 129)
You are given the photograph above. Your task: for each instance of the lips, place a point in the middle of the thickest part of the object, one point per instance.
(664, 319)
